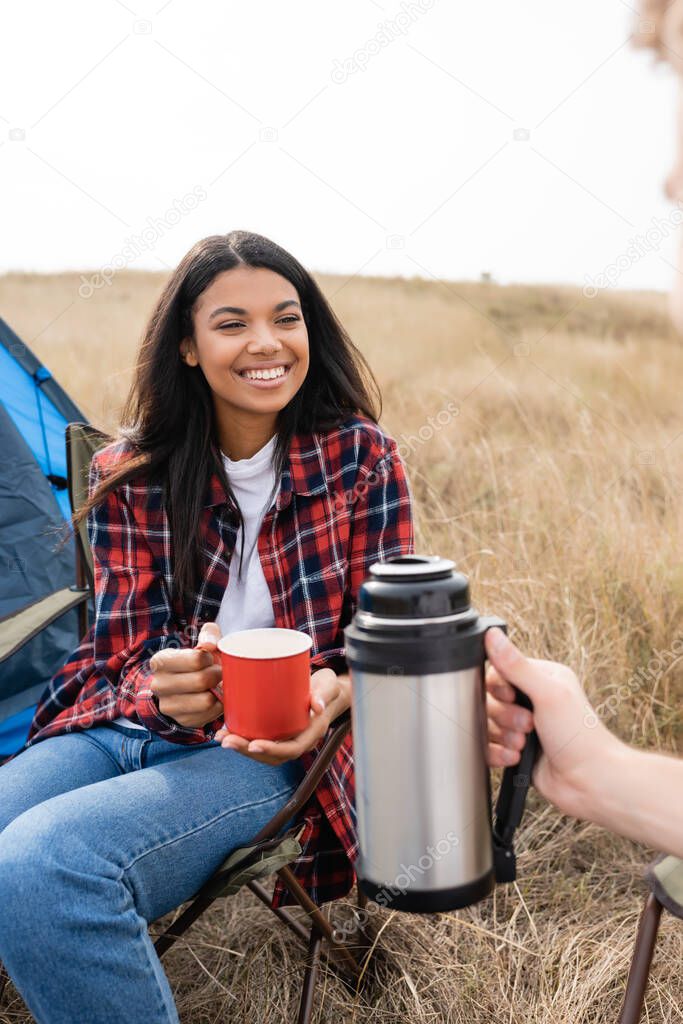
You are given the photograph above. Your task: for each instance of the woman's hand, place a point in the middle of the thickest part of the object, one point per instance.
(183, 681)
(330, 696)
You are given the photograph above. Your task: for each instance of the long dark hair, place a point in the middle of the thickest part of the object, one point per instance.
(168, 418)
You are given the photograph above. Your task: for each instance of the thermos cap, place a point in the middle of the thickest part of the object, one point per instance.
(414, 617)
(414, 587)
(413, 567)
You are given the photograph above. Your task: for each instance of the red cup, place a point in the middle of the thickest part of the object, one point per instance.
(266, 682)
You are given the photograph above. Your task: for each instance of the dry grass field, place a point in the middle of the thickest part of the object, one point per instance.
(555, 480)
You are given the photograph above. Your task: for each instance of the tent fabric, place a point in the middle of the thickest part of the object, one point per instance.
(34, 510)
(14, 730)
(38, 407)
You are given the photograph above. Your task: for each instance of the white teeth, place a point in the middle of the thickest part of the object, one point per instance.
(277, 371)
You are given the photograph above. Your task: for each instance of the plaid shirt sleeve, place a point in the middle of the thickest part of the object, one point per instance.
(133, 612)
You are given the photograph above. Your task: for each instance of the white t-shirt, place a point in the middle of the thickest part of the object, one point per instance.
(246, 603)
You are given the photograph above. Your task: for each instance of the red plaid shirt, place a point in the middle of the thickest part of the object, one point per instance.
(344, 502)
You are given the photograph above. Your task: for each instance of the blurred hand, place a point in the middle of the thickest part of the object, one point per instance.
(330, 696)
(583, 769)
(183, 681)
(575, 744)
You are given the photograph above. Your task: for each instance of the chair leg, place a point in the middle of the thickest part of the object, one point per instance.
(280, 912)
(639, 971)
(310, 976)
(318, 919)
(175, 930)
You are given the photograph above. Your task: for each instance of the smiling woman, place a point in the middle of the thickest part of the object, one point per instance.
(251, 428)
(264, 351)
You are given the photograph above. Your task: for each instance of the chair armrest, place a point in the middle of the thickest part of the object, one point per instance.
(17, 628)
(665, 878)
(337, 733)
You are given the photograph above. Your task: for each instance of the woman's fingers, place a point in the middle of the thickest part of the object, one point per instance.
(275, 751)
(201, 681)
(198, 706)
(208, 638)
(190, 716)
(189, 702)
(209, 635)
(287, 750)
(324, 689)
(176, 659)
(231, 741)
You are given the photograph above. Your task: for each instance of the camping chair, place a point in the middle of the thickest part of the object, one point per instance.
(39, 621)
(269, 851)
(664, 877)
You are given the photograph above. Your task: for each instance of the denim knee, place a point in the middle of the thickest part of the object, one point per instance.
(31, 850)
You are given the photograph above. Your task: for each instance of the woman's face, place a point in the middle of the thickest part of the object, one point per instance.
(249, 318)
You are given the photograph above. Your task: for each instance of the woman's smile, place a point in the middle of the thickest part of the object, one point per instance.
(266, 383)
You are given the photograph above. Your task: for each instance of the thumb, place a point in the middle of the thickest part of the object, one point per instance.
(209, 635)
(511, 663)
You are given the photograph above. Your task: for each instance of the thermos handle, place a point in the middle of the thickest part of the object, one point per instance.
(512, 795)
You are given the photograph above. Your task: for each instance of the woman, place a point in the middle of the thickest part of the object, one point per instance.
(227, 498)
(584, 770)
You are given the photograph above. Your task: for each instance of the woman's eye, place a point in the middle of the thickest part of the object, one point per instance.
(234, 323)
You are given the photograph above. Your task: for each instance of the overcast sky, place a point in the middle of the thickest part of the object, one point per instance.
(425, 137)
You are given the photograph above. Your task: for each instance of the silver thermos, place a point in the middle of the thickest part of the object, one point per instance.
(415, 651)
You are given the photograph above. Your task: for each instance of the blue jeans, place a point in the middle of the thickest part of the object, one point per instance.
(101, 833)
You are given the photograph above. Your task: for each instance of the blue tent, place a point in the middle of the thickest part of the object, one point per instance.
(34, 504)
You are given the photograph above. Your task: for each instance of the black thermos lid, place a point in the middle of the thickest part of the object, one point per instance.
(413, 616)
(414, 586)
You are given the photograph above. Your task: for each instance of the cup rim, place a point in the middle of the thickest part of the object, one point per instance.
(305, 643)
